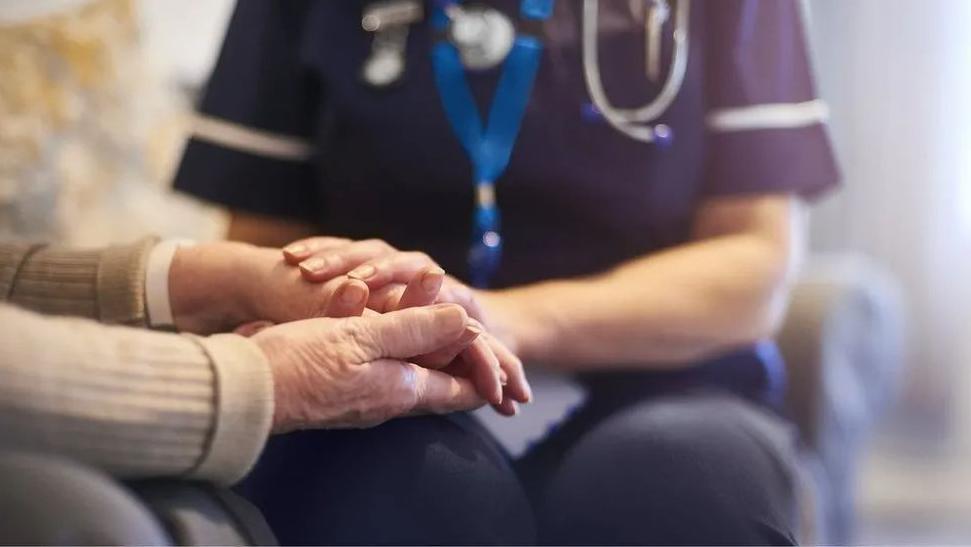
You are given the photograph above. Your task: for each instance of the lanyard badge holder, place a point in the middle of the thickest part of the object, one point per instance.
(488, 146)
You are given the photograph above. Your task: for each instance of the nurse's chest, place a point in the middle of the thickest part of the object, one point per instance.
(373, 137)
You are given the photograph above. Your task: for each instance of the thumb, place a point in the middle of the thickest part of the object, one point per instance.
(410, 332)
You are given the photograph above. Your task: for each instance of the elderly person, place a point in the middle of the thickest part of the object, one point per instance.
(139, 404)
(655, 274)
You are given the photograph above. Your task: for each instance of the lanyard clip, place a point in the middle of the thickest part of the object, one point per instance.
(485, 251)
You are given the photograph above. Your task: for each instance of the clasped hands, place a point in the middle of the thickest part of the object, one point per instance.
(355, 333)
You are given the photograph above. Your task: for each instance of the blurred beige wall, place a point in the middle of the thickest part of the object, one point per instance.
(92, 126)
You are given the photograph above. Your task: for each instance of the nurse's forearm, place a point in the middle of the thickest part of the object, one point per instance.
(663, 310)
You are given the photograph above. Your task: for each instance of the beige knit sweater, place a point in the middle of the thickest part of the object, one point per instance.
(133, 402)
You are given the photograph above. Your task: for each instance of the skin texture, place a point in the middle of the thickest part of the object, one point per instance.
(726, 288)
(226, 286)
(356, 372)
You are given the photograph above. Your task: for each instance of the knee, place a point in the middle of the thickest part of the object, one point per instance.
(47, 500)
(416, 480)
(682, 470)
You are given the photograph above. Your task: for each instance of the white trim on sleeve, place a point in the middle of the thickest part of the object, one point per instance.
(768, 116)
(246, 139)
(157, 282)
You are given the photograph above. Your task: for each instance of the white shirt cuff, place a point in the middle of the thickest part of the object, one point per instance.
(158, 305)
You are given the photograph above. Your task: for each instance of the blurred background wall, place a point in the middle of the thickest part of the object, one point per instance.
(896, 74)
(92, 118)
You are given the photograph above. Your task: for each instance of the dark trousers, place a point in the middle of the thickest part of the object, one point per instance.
(49, 500)
(697, 467)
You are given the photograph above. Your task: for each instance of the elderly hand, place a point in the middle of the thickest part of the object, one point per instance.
(386, 270)
(217, 287)
(358, 371)
(377, 263)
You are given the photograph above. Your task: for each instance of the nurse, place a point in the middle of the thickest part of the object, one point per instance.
(654, 272)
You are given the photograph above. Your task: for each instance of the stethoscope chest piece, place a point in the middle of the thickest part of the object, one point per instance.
(388, 22)
(483, 36)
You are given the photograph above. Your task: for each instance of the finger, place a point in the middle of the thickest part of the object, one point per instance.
(423, 288)
(456, 292)
(484, 370)
(478, 364)
(440, 393)
(251, 328)
(325, 297)
(448, 355)
(507, 407)
(300, 250)
(333, 261)
(397, 267)
(349, 300)
(516, 386)
(386, 298)
(405, 333)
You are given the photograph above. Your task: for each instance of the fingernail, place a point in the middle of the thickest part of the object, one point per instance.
(297, 249)
(499, 388)
(313, 265)
(352, 293)
(471, 333)
(503, 377)
(515, 408)
(431, 280)
(362, 272)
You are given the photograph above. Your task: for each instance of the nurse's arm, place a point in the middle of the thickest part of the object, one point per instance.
(725, 289)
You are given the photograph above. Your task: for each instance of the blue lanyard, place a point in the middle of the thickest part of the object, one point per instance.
(488, 148)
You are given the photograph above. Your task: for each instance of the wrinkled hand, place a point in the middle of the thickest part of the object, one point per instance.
(216, 287)
(384, 269)
(390, 275)
(358, 371)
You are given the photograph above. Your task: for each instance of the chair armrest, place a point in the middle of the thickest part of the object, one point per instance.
(842, 341)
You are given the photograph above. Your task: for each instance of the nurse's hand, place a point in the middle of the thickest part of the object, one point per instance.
(359, 372)
(387, 271)
(216, 287)
(219, 287)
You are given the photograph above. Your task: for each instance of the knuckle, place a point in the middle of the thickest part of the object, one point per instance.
(406, 394)
(419, 257)
(377, 244)
(398, 394)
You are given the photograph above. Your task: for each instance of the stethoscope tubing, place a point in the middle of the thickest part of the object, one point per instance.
(634, 122)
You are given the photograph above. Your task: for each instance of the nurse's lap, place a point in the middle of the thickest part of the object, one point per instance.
(678, 469)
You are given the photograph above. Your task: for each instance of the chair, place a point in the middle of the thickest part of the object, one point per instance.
(842, 341)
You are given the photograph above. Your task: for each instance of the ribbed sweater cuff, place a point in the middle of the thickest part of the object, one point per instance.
(107, 285)
(121, 283)
(11, 257)
(244, 408)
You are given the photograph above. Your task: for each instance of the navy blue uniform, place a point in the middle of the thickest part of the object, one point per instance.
(288, 128)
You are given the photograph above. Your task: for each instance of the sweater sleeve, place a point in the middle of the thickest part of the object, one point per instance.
(104, 284)
(134, 402)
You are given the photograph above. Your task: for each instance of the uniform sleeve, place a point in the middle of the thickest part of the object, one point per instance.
(766, 124)
(250, 146)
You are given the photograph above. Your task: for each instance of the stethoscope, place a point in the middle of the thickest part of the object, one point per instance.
(478, 37)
